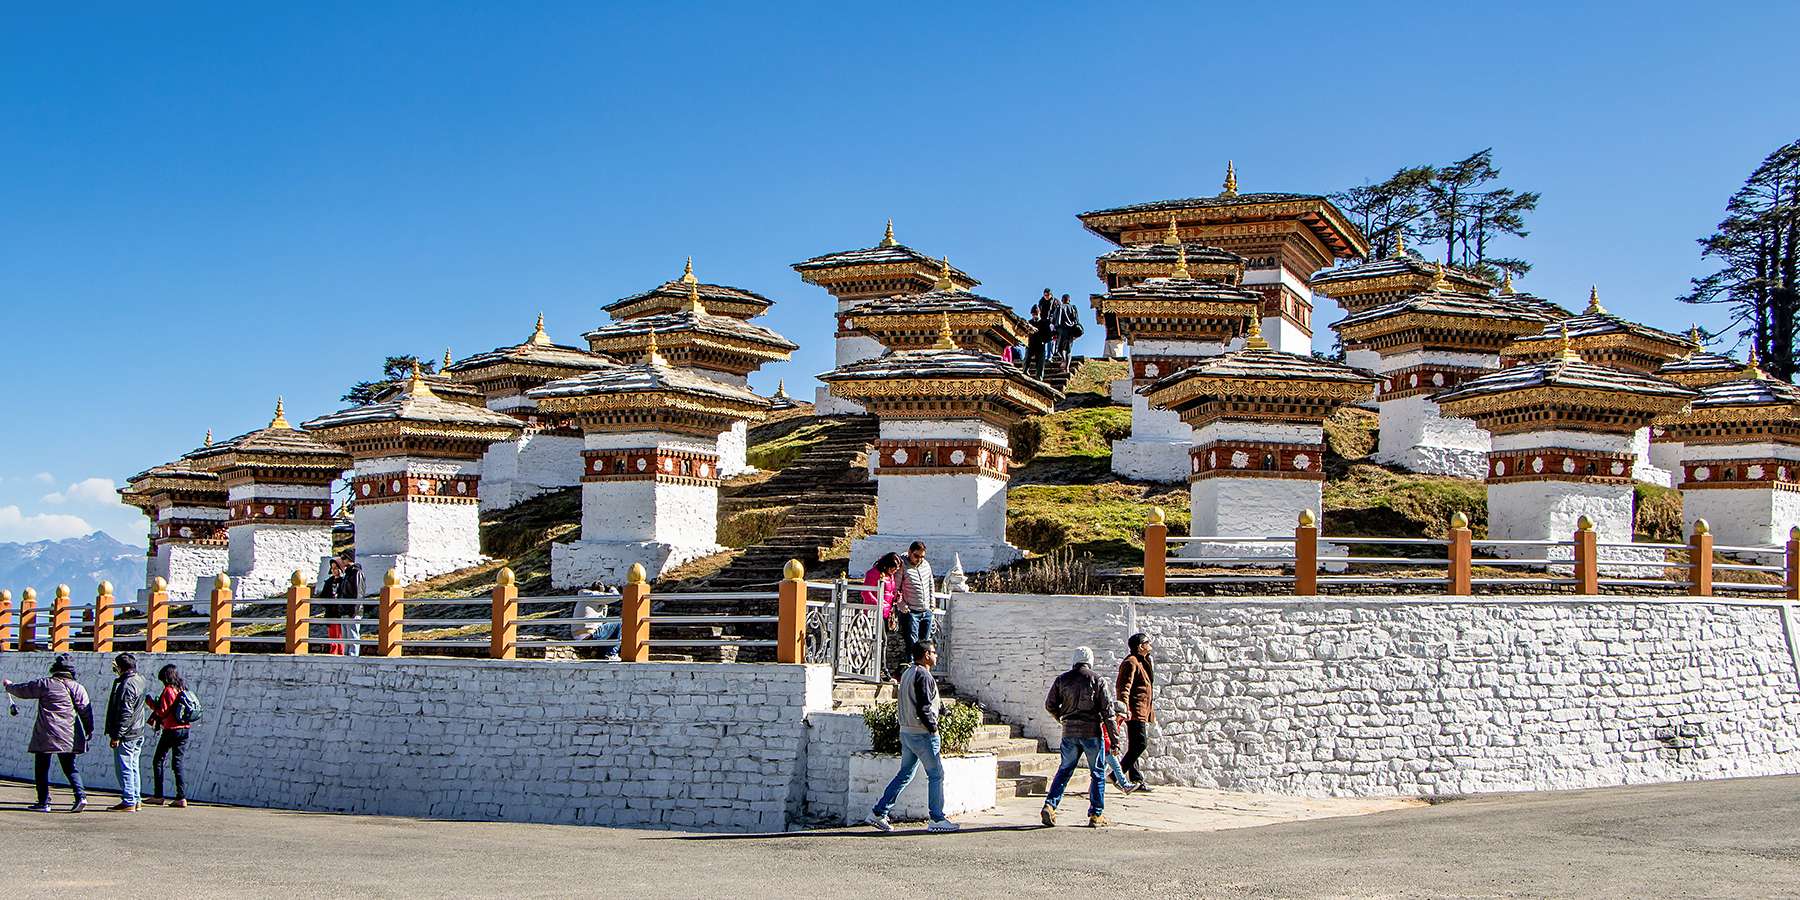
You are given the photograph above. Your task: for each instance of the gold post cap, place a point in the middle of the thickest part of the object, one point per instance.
(28, 595)
(222, 582)
(1307, 519)
(505, 577)
(391, 579)
(1794, 533)
(1459, 519)
(159, 583)
(297, 579)
(5, 596)
(793, 571)
(1584, 524)
(62, 592)
(1157, 516)
(636, 575)
(1700, 526)
(106, 589)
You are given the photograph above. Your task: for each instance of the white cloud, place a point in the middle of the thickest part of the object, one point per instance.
(91, 491)
(44, 478)
(17, 527)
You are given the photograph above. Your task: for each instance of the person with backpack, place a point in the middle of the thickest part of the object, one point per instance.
(125, 729)
(65, 720)
(174, 712)
(1081, 701)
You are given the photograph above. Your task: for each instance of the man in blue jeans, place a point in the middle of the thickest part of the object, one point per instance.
(1081, 701)
(125, 728)
(918, 713)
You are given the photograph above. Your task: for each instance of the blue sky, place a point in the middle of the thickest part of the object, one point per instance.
(204, 206)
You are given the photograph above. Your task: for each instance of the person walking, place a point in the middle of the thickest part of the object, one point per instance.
(1042, 334)
(353, 590)
(1109, 737)
(1080, 700)
(166, 711)
(885, 595)
(917, 585)
(1067, 321)
(1137, 691)
(919, 743)
(65, 720)
(125, 729)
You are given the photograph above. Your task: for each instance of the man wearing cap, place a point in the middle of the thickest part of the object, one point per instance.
(125, 728)
(1080, 700)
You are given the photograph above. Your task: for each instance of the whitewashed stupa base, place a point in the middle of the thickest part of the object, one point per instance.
(978, 554)
(582, 564)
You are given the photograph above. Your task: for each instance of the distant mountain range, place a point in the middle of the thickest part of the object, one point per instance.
(81, 563)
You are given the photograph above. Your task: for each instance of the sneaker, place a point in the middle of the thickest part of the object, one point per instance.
(1130, 788)
(1142, 788)
(1097, 821)
(1048, 816)
(122, 807)
(178, 804)
(38, 807)
(79, 805)
(879, 820)
(154, 801)
(942, 825)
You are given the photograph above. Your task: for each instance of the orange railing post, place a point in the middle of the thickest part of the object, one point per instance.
(790, 612)
(1306, 555)
(1460, 556)
(1156, 554)
(104, 611)
(6, 621)
(156, 618)
(503, 640)
(297, 638)
(59, 620)
(634, 617)
(392, 615)
(218, 624)
(28, 619)
(1700, 560)
(1587, 557)
(1793, 563)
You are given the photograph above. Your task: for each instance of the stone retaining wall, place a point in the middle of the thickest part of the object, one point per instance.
(1416, 695)
(694, 746)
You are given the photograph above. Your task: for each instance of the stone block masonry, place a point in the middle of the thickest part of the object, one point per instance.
(708, 747)
(1416, 696)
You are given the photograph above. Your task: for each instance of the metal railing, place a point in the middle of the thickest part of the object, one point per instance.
(1305, 563)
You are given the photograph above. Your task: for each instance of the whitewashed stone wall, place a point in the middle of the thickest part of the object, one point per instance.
(1416, 695)
(956, 515)
(1157, 449)
(1645, 468)
(710, 747)
(831, 739)
(185, 566)
(262, 558)
(658, 524)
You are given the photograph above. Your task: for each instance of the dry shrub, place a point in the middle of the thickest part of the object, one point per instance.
(1062, 572)
(1025, 438)
(1038, 534)
(751, 526)
(1658, 514)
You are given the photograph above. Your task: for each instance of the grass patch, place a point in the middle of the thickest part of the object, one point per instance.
(1352, 433)
(751, 526)
(1105, 520)
(780, 452)
(1373, 501)
(1095, 376)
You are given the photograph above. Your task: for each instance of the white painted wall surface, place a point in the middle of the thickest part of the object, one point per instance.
(1745, 517)
(499, 474)
(942, 429)
(185, 566)
(1402, 696)
(1416, 436)
(733, 448)
(1549, 511)
(970, 784)
(262, 558)
(1157, 449)
(547, 462)
(1249, 507)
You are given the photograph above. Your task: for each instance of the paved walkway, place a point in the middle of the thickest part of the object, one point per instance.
(1188, 809)
(1721, 839)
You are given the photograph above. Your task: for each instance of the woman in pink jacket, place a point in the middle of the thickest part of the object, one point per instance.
(884, 577)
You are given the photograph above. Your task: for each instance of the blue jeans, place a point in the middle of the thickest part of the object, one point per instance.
(125, 756)
(916, 748)
(1073, 749)
(915, 627)
(1114, 772)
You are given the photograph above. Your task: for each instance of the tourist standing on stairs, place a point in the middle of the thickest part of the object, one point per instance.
(882, 578)
(919, 743)
(917, 585)
(1080, 700)
(171, 714)
(65, 719)
(353, 589)
(1136, 686)
(1068, 328)
(125, 729)
(1042, 336)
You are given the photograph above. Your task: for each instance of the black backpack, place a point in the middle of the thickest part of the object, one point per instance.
(188, 710)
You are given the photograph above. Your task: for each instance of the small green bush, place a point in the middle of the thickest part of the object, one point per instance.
(1025, 438)
(957, 722)
(1039, 534)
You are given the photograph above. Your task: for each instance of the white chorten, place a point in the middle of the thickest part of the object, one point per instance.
(187, 510)
(1740, 469)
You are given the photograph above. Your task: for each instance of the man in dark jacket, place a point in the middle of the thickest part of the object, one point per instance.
(352, 588)
(1080, 700)
(1136, 690)
(919, 743)
(1067, 323)
(125, 729)
(1042, 336)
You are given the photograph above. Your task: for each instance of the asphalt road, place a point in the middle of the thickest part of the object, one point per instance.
(1723, 839)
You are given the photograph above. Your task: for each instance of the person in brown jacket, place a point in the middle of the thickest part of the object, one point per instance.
(1135, 689)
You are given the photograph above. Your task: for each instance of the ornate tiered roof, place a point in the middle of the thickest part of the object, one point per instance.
(674, 295)
(415, 420)
(694, 336)
(651, 394)
(178, 478)
(1443, 319)
(941, 380)
(1379, 281)
(277, 451)
(1750, 407)
(533, 361)
(1563, 391)
(912, 322)
(1604, 338)
(444, 386)
(1221, 219)
(1180, 307)
(1701, 367)
(887, 269)
(1137, 262)
(1258, 382)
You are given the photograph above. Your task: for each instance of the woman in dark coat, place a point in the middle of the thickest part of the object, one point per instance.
(65, 720)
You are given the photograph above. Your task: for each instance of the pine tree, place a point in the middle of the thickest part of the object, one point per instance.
(1386, 210)
(1455, 204)
(1758, 245)
(392, 370)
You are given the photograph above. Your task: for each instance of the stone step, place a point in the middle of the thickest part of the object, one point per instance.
(1010, 748)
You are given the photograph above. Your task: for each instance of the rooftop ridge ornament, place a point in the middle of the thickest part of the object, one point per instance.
(1506, 286)
(653, 356)
(416, 386)
(687, 273)
(448, 360)
(1594, 308)
(1566, 351)
(694, 304)
(781, 387)
(1230, 180)
(1694, 334)
(538, 337)
(943, 281)
(1753, 365)
(1437, 278)
(280, 420)
(946, 339)
(208, 442)
(887, 238)
(1254, 339)
(1173, 237)
(1399, 243)
(1181, 266)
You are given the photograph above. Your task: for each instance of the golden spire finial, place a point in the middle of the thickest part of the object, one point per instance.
(781, 387)
(1254, 339)
(943, 282)
(653, 356)
(448, 360)
(1694, 333)
(280, 420)
(1437, 279)
(1594, 307)
(538, 336)
(208, 442)
(1399, 242)
(1567, 350)
(1173, 237)
(1181, 266)
(687, 273)
(1753, 365)
(1230, 180)
(1506, 283)
(416, 385)
(694, 304)
(887, 238)
(946, 339)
